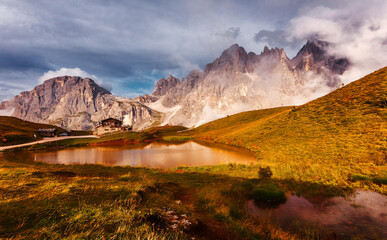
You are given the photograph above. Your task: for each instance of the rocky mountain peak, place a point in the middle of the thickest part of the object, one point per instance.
(234, 56)
(266, 50)
(277, 52)
(163, 85)
(234, 53)
(314, 56)
(313, 48)
(63, 83)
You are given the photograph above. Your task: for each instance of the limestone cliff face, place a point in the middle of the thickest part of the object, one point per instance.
(240, 81)
(76, 103)
(146, 98)
(163, 85)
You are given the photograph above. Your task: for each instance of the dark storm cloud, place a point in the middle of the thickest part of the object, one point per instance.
(132, 43)
(21, 60)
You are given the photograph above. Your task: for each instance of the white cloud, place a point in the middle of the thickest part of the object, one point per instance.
(357, 31)
(73, 72)
(7, 112)
(66, 72)
(11, 15)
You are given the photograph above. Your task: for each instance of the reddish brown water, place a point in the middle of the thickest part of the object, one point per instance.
(155, 155)
(363, 215)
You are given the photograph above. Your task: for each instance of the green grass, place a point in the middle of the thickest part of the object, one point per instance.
(16, 131)
(380, 180)
(164, 130)
(359, 177)
(177, 138)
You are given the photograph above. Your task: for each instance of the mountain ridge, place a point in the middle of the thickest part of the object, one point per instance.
(240, 81)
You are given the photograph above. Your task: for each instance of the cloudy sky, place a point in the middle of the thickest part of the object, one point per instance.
(128, 45)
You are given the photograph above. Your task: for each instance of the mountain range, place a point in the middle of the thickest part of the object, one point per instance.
(239, 81)
(77, 103)
(236, 81)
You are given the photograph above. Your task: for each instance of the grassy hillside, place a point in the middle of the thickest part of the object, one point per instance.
(330, 138)
(15, 131)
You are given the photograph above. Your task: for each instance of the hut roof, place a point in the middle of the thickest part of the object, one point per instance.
(46, 130)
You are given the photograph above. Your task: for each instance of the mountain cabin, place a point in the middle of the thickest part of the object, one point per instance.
(47, 132)
(110, 125)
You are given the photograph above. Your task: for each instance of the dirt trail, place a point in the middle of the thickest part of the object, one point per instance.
(46, 140)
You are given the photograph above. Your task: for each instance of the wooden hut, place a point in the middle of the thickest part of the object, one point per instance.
(47, 132)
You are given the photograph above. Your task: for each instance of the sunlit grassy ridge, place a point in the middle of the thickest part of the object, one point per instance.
(16, 131)
(327, 139)
(349, 123)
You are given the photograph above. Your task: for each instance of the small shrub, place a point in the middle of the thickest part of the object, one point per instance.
(269, 193)
(265, 173)
(380, 180)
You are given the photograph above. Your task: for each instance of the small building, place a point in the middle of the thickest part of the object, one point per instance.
(110, 125)
(111, 122)
(63, 134)
(47, 132)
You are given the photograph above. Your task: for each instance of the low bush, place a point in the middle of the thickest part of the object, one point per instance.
(268, 193)
(380, 180)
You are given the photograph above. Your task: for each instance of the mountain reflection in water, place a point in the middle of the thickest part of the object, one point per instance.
(362, 214)
(155, 155)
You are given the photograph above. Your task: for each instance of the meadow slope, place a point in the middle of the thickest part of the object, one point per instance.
(16, 131)
(334, 137)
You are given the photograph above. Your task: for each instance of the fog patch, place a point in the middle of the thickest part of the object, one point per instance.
(231, 33)
(7, 112)
(208, 114)
(356, 32)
